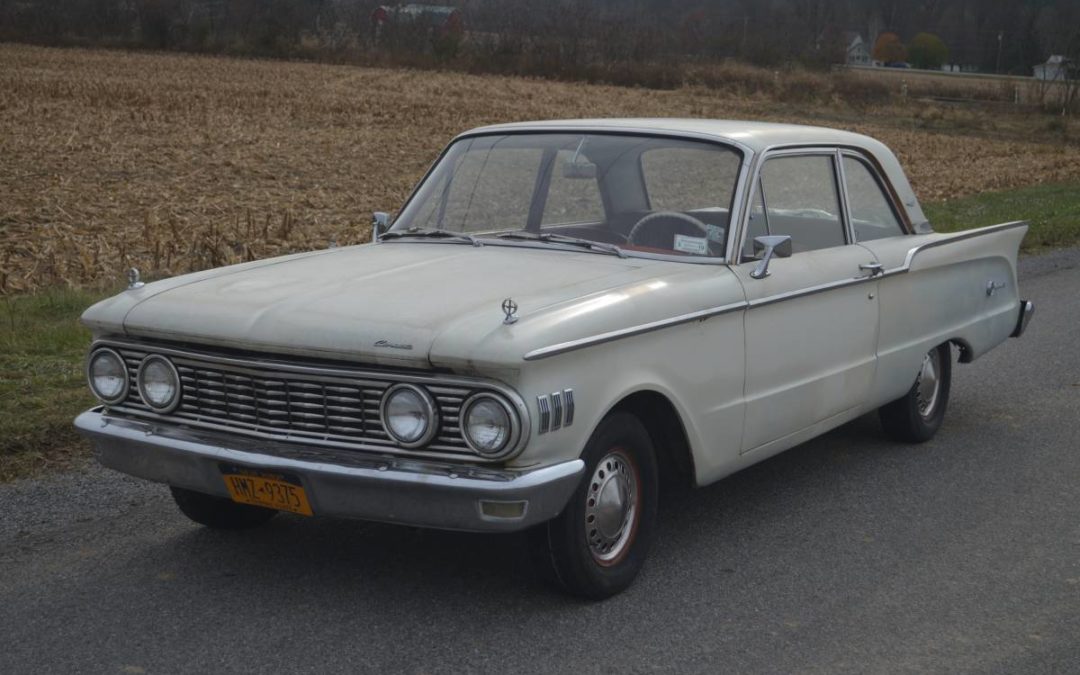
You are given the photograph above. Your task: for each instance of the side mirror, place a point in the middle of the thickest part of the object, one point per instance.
(776, 244)
(380, 223)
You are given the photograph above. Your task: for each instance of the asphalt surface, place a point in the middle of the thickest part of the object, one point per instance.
(847, 554)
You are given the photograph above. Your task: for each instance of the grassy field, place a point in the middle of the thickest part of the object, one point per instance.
(174, 163)
(42, 385)
(1053, 210)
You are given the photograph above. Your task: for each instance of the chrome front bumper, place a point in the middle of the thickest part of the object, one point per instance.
(339, 483)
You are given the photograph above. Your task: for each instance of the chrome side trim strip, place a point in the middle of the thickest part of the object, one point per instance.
(571, 345)
(791, 295)
(962, 236)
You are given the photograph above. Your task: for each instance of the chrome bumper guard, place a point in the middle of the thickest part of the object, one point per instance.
(338, 482)
(1027, 310)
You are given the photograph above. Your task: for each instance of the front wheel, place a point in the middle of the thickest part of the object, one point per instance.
(597, 546)
(917, 415)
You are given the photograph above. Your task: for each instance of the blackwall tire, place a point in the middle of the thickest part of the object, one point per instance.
(917, 415)
(599, 543)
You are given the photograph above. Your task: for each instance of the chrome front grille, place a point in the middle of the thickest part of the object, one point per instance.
(336, 407)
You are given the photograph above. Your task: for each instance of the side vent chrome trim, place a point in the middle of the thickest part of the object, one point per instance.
(556, 410)
(568, 400)
(543, 405)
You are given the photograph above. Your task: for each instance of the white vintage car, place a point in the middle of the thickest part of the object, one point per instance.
(564, 316)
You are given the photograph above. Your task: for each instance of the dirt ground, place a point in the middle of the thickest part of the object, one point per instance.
(173, 163)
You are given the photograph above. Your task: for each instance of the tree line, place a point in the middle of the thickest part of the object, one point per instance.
(570, 39)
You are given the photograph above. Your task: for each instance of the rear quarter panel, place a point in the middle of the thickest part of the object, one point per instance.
(935, 289)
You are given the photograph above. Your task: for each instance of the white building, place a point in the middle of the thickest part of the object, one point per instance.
(1056, 68)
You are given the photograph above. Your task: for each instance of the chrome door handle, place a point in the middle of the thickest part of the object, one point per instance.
(874, 268)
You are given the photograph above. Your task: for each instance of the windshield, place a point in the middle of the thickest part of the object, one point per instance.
(610, 192)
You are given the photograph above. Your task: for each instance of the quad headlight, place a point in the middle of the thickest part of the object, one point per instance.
(159, 383)
(409, 415)
(489, 425)
(108, 376)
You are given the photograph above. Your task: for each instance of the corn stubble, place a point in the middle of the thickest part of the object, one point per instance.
(174, 163)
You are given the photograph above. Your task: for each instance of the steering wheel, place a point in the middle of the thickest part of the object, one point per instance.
(648, 224)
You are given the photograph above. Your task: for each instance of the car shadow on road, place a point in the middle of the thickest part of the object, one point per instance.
(328, 557)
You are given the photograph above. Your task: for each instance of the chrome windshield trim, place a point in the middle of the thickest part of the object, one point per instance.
(572, 345)
(739, 194)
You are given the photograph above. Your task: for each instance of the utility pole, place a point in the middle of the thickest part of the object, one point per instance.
(997, 69)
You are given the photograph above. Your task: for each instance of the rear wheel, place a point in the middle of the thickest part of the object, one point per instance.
(917, 415)
(218, 512)
(597, 546)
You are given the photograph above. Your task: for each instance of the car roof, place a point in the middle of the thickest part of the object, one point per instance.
(756, 136)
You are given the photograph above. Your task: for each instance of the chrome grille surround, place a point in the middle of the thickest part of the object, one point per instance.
(318, 405)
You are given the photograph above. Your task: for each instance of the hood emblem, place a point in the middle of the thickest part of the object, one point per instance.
(134, 280)
(509, 308)
(386, 344)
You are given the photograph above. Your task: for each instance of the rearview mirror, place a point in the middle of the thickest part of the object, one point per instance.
(380, 223)
(579, 170)
(775, 244)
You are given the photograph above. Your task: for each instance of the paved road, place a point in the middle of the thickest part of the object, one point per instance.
(848, 554)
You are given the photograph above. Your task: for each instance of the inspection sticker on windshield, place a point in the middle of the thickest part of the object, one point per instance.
(685, 244)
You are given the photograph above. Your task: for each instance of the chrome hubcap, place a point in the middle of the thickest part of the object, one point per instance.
(928, 384)
(611, 507)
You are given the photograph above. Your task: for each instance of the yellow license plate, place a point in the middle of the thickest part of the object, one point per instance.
(272, 490)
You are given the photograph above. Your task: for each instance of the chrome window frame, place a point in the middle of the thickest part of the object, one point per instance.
(883, 184)
(796, 151)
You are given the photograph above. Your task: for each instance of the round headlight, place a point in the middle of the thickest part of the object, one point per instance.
(488, 425)
(409, 415)
(159, 383)
(108, 376)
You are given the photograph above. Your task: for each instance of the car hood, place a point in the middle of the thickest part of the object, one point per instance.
(399, 303)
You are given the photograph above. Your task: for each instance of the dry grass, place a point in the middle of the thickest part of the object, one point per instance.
(173, 163)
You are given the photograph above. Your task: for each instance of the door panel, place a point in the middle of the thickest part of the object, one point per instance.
(811, 334)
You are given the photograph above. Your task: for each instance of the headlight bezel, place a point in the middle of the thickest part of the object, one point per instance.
(102, 351)
(513, 438)
(178, 387)
(431, 410)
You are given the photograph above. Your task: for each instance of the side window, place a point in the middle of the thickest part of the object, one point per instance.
(801, 200)
(492, 189)
(687, 179)
(872, 216)
(571, 199)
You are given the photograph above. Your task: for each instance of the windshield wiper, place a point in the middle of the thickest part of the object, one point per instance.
(564, 239)
(431, 234)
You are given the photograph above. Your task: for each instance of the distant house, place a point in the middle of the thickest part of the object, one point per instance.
(1056, 69)
(857, 51)
(440, 19)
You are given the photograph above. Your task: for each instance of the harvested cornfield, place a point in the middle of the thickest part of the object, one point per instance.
(172, 163)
